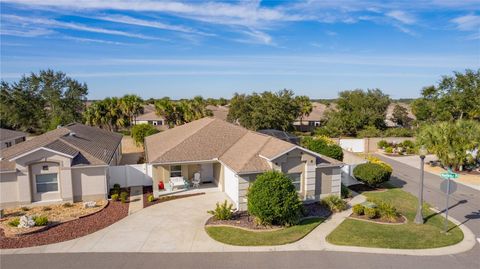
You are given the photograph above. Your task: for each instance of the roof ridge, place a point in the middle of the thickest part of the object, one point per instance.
(83, 152)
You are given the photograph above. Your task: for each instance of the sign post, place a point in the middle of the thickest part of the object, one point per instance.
(448, 187)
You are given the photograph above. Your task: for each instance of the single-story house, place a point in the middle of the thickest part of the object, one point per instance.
(314, 119)
(9, 138)
(67, 164)
(150, 116)
(231, 157)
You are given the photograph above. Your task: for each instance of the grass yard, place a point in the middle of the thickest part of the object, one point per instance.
(406, 236)
(240, 237)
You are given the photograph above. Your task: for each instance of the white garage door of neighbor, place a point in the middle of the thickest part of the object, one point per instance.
(231, 185)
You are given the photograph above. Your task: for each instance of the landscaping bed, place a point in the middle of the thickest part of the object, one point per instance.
(241, 237)
(354, 232)
(147, 191)
(398, 220)
(82, 226)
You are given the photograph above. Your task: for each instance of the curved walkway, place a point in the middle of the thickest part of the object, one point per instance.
(178, 226)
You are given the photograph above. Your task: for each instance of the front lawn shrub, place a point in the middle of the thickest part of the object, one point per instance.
(346, 193)
(273, 199)
(150, 198)
(14, 222)
(40, 220)
(382, 144)
(222, 211)
(334, 203)
(371, 212)
(123, 196)
(323, 145)
(371, 174)
(388, 150)
(114, 197)
(358, 209)
(384, 209)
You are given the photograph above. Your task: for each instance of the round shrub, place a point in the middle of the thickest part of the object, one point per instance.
(358, 209)
(382, 144)
(273, 199)
(371, 174)
(150, 198)
(371, 213)
(114, 197)
(388, 150)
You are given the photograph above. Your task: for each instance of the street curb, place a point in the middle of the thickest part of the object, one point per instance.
(465, 245)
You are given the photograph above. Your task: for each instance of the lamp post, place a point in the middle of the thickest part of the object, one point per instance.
(419, 216)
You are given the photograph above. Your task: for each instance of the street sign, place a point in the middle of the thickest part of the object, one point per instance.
(449, 175)
(448, 189)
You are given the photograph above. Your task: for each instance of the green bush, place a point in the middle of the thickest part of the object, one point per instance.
(67, 205)
(334, 203)
(388, 150)
(382, 144)
(114, 197)
(398, 132)
(123, 196)
(358, 209)
(14, 222)
(371, 213)
(410, 151)
(407, 144)
(150, 198)
(222, 211)
(369, 131)
(40, 220)
(273, 199)
(371, 174)
(346, 193)
(140, 131)
(384, 209)
(323, 146)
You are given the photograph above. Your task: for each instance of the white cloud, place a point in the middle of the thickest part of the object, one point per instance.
(467, 23)
(401, 16)
(92, 40)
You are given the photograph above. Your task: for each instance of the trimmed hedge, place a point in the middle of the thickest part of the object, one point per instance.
(371, 174)
(273, 199)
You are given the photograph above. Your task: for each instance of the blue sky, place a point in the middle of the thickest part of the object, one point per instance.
(216, 48)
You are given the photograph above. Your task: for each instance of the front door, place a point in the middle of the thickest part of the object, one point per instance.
(206, 172)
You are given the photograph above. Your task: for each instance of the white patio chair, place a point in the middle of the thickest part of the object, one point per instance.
(196, 180)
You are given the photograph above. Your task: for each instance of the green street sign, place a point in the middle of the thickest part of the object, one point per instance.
(449, 175)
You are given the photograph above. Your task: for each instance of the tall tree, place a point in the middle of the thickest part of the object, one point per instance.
(305, 107)
(106, 114)
(455, 97)
(267, 110)
(400, 116)
(132, 106)
(183, 111)
(52, 99)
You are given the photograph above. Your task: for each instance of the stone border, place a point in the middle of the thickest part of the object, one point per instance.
(405, 220)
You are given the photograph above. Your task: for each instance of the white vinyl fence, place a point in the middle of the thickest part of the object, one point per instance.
(352, 144)
(130, 175)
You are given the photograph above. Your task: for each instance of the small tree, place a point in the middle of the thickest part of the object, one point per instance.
(140, 131)
(273, 199)
(400, 116)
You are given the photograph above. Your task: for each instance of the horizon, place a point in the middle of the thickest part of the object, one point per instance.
(183, 49)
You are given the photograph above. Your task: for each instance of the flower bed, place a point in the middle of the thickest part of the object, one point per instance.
(69, 230)
(147, 191)
(398, 220)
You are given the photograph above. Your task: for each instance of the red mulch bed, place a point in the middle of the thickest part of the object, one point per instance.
(147, 190)
(112, 213)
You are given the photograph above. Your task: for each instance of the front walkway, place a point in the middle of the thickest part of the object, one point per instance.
(178, 226)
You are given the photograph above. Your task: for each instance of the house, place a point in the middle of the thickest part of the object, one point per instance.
(150, 116)
(231, 157)
(9, 138)
(66, 164)
(314, 119)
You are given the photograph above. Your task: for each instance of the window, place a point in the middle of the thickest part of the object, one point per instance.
(175, 171)
(47, 182)
(45, 168)
(8, 144)
(296, 180)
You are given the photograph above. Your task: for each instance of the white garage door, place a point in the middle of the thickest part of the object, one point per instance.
(231, 185)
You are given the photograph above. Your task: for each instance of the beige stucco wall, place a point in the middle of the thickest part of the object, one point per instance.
(219, 176)
(8, 189)
(89, 183)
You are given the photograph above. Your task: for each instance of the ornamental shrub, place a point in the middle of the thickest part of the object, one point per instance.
(114, 197)
(273, 199)
(123, 196)
(371, 212)
(334, 203)
(14, 222)
(376, 160)
(388, 150)
(407, 144)
(371, 174)
(40, 220)
(222, 211)
(150, 198)
(358, 209)
(345, 192)
(324, 146)
(382, 144)
(384, 209)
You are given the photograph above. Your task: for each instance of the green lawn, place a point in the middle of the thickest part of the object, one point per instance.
(239, 237)
(409, 236)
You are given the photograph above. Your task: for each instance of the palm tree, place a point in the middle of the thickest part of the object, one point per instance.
(131, 106)
(305, 107)
(106, 114)
(452, 142)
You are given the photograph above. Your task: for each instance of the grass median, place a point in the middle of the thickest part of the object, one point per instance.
(406, 236)
(241, 237)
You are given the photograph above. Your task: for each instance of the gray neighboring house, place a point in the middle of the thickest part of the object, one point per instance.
(9, 138)
(68, 164)
(231, 157)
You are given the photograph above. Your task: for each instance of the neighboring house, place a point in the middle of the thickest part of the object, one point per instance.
(9, 138)
(219, 112)
(231, 157)
(67, 164)
(281, 135)
(150, 116)
(313, 120)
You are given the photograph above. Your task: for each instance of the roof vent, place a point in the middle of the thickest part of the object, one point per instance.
(72, 134)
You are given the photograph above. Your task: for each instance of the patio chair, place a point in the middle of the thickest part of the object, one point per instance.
(196, 180)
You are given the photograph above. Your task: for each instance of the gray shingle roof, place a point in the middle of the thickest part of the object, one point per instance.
(6, 134)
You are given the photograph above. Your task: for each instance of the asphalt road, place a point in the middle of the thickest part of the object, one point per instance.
(465, 207)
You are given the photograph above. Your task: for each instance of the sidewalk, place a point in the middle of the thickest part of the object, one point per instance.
(136, 199)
